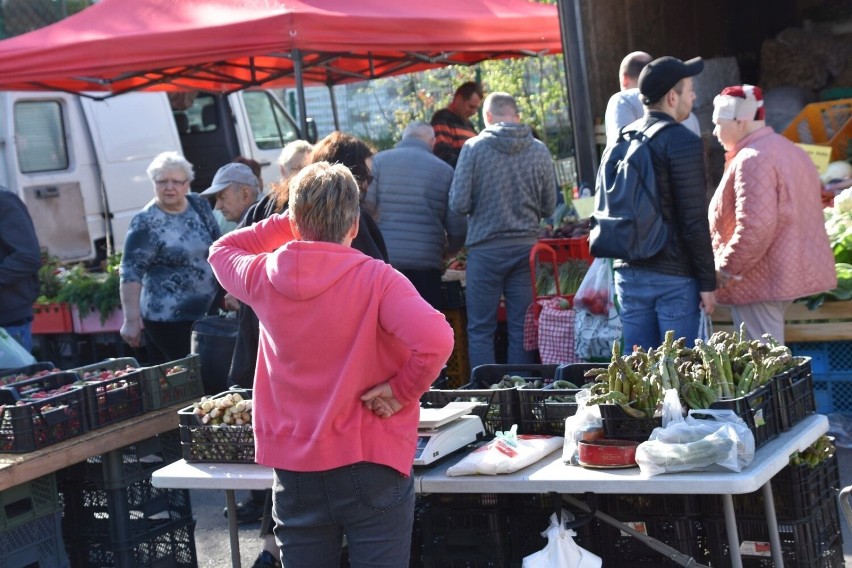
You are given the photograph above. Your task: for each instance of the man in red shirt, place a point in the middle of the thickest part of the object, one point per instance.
(452, 124)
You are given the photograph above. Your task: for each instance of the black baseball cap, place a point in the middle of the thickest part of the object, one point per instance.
(659, 76)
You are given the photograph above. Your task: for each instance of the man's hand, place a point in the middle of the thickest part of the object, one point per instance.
(381, 401)
(708, 302)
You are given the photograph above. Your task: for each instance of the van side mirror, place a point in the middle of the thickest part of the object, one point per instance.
(311, 134)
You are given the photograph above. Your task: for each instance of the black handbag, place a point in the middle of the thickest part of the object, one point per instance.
(213, 339)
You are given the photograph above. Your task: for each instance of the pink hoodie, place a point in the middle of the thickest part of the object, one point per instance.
(767, 224)
(333, 323)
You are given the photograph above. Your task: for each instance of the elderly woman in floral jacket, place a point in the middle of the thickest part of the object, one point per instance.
(766, 220)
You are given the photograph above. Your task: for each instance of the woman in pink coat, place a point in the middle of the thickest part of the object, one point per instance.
(766, 218)
(347, 346)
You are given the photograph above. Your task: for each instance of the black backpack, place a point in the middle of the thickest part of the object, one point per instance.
(628, 223)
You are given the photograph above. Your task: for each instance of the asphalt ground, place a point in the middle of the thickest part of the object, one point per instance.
(211, 529)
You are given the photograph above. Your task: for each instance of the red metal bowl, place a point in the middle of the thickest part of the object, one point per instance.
(607, 453)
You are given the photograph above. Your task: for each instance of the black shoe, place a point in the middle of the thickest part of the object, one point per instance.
(266, 560)
(248, 511)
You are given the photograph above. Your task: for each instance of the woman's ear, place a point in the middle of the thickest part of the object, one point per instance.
(353, 232)
(294, 228)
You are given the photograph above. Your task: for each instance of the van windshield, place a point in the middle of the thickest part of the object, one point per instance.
(271, 127)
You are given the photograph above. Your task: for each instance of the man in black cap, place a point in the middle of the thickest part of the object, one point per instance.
(668, 290)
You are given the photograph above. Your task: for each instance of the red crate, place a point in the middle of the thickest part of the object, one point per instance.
(576, 247)
(52, 318)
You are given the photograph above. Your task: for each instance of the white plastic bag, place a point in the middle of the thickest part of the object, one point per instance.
(561, 551)
(506, 453)
(707, 440)
(580, 426)
(12, 353)
(597, 323)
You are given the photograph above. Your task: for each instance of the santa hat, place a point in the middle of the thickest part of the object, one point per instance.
(743, 102)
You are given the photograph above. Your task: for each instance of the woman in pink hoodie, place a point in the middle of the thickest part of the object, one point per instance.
(766, 220)
(347, 347)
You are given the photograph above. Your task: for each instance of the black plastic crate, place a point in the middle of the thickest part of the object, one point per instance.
(139, 461)
(530, 517)
(28, 501)
(37, 542)
(111, 398)
(758, 410)
(172, 382)
(170, 546)
(499, 409)
(452, 295)
(470, 500)
(796, 490)
(804, 543)
(652, 505)
(618, 548)
(543, 411)
(10, 376)
(94, 514)
(795, 390)
(453, 536)
(205, 443)
(29, 424)
(574, 372)
(618, 425)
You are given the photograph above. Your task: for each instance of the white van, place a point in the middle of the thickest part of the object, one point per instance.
(79, 163)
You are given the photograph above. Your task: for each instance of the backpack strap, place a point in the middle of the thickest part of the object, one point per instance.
(651, 129)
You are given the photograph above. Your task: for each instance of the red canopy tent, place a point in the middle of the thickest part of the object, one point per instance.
(116, 46)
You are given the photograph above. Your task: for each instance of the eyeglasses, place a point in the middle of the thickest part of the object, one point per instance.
(167, 182)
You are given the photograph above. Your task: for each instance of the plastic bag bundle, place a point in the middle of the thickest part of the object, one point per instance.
(561, 551)
(506, 453)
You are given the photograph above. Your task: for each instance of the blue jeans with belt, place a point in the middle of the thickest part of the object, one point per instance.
(652, 303)
(371, 505)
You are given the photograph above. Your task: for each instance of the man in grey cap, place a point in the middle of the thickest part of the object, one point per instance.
(234, 189)
(668, 290)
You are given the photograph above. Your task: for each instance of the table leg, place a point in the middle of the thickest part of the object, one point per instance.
(731, 529)
(233, 531)
(113, 464)
(772, 525)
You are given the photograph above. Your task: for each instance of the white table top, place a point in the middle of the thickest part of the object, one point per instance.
(549, 474)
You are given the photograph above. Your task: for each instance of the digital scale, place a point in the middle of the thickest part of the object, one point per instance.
(445, 430)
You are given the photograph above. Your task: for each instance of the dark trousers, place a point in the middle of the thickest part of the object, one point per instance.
(167, 340)
(428, 285)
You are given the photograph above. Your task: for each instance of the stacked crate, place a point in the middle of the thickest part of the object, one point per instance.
(675, 520)
(30, 525)
(114, 516)
(831, 362)
(487, 530)
(805, 500)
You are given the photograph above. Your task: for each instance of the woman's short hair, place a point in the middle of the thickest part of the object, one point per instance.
(352, 152)
(324, 202)
(287, 159)
(169, 161)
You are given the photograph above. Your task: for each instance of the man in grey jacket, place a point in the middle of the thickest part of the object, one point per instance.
(505, 182)
(408, 200)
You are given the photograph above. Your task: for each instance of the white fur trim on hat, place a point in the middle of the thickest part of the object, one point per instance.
(738, 103)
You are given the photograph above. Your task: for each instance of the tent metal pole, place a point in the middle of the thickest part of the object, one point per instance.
(574, 57)
(330, 86)
(300, 91)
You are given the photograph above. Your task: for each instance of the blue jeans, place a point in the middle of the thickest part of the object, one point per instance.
(653, 303)
(23, 334)
(491, 273)
(372, 505)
